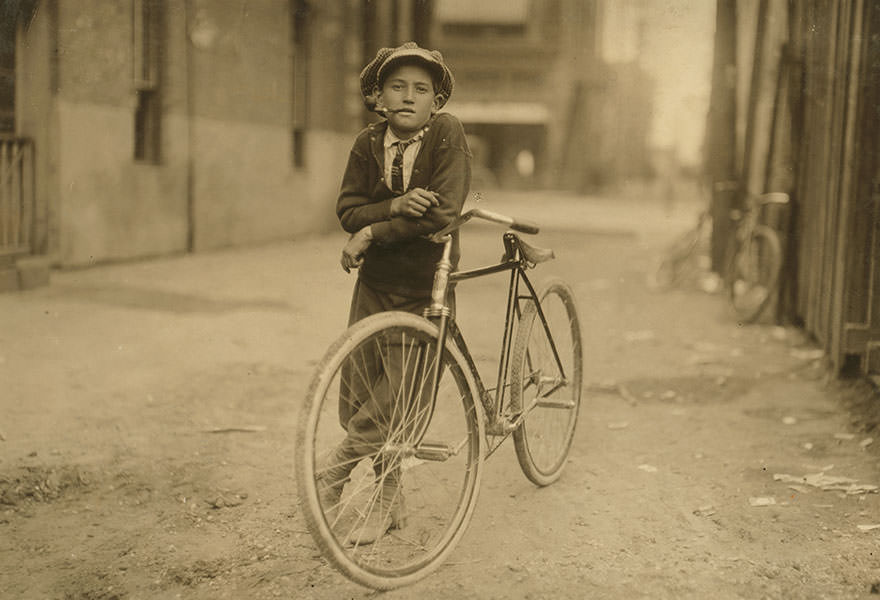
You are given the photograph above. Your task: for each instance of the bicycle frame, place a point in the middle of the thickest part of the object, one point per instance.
(748, 218)
(439, 312)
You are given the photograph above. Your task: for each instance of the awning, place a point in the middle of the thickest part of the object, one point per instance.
(468, 11)
(512, 113)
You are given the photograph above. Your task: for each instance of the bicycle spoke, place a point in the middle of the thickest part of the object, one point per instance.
(411, 449)
(546, 384)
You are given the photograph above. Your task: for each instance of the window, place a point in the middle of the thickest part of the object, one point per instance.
(7, 100)
(146, 126)
(468, 11)
(466, 18)
(301, 14)
(7, 75)
(147, 29)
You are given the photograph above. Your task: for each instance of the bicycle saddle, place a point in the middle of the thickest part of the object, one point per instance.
(533, 254)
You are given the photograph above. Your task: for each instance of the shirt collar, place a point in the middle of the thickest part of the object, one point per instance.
(391, 139)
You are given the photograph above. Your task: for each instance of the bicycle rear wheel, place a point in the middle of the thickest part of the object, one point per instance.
(546, 389)
(377, 379)
(754, 273)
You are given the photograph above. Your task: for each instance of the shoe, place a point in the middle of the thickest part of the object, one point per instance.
(332, 479)
(385, 514)
(330, 497)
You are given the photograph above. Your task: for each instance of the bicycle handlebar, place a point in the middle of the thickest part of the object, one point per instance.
(773, 198)
(486, 215)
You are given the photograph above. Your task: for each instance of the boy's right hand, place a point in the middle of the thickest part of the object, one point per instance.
(353, 252)
(414, 203)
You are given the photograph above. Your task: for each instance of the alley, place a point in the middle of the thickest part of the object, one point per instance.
(147, 413)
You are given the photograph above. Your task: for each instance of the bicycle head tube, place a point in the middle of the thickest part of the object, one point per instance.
(441, 282)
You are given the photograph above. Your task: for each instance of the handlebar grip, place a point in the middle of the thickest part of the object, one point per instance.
(524, 227)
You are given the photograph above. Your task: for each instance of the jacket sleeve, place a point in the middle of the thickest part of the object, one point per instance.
(354, 207)
(450, 180)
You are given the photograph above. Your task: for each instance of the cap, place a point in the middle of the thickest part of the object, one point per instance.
(387, 57)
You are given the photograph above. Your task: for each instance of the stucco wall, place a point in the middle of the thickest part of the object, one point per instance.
(113, 207)
(246, 188)
(110, 205)
(246, 191)
(226, 175)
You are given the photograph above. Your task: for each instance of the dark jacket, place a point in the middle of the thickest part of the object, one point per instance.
(400, 260)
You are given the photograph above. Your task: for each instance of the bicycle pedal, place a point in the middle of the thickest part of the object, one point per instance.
(503, 427)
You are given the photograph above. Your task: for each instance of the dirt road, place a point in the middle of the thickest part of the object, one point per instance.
(147, 411)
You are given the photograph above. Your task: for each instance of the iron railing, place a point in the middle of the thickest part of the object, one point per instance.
(16, 195)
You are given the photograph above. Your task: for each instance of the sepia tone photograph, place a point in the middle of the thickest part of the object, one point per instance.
(439, 299)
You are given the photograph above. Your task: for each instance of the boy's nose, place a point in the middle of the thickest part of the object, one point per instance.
(408, 95)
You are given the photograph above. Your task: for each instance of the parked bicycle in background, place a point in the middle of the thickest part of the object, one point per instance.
(751, 263)
(754, 258)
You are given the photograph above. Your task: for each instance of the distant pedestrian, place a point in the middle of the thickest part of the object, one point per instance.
(407, 177)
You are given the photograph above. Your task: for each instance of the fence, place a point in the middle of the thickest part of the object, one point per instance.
(16, 195)
(812, 129)
(837, 186)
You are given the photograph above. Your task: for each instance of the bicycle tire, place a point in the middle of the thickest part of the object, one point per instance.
(444, 491)
(753, 274)
(544, 437)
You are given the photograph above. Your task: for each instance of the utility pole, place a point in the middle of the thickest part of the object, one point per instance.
(720, 149)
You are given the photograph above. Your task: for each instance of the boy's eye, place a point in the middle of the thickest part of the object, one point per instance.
(422, 90)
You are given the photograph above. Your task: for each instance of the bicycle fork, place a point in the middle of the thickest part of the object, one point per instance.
(440, 313)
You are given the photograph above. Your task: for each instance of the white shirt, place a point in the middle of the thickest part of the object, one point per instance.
(409, 157)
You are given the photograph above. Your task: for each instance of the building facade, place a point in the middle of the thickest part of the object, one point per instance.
(151, 127)
(167, 126)
(542, 106)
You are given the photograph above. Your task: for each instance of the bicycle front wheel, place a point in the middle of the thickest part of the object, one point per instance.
(546, 375)
(388, 479)
(754, 273)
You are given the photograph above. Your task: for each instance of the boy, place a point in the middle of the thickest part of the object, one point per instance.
(407, 177)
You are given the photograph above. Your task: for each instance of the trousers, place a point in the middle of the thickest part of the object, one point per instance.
(370, 385)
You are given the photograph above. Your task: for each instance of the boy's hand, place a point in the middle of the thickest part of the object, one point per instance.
(414, 203)
(353, 252)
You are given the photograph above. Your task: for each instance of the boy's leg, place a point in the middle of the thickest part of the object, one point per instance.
(357, 380)
(400, 406)
(385, 400)
(361, 371)
(383, 380)
(391, 414)
(364, 402)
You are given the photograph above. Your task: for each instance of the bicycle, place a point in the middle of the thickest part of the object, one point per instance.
(686, 260)
(754, 258)
(443, 422)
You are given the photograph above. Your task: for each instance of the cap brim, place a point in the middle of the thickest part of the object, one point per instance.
(418, 53)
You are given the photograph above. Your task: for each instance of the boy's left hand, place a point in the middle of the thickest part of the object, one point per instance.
(353, 252)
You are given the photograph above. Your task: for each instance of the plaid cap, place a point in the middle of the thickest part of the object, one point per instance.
(385, 59)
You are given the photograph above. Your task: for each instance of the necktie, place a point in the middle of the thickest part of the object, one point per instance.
(397, 163)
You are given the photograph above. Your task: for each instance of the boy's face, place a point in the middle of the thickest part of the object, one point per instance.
(408, 95)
